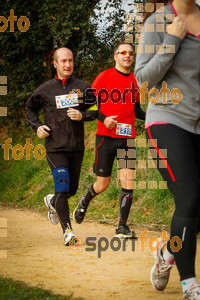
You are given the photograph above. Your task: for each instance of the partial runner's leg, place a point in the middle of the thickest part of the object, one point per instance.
(181, 172)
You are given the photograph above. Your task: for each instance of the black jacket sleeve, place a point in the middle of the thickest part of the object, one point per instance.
(32, 107)
(89, 115)
(101, 117)
(92, 115)
(139, 112)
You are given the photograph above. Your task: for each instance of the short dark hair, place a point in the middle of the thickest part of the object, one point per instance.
(119, 44)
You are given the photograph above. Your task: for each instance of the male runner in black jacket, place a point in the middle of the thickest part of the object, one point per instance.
(65, 104)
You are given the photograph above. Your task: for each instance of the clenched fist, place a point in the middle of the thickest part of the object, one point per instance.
(42, 131)
(109, 122)
(74, 114)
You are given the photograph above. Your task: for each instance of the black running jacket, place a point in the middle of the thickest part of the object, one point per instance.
(65, 134)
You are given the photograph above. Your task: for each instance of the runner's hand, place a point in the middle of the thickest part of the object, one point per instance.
(74, 114)
(41, 131)
(177, 28)
(109, 122)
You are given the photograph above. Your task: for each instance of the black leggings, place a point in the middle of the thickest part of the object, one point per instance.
(182, 172)
(72, 161)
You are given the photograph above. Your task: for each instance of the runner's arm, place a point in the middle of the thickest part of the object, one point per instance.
(32, 107)
(139, 112)
(92, 113)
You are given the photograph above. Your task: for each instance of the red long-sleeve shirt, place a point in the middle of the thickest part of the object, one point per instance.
(117, 95)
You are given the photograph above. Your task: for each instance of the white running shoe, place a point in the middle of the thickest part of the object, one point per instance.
(193, 293)
(70, 238)
(160, 272)
(52, 215)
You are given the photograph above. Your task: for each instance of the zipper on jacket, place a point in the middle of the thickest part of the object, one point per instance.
(70, 126)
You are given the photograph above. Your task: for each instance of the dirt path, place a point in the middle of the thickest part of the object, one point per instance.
(37, 256)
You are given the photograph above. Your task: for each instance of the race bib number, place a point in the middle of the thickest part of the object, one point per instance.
(124, 129)
(69, 100)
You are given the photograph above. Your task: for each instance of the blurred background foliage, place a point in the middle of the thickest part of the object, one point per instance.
(26, 57)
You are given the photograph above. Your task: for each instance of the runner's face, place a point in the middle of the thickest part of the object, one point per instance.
(123, 62)
(64, 63)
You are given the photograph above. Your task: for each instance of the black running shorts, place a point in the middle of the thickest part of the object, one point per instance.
(107, 148)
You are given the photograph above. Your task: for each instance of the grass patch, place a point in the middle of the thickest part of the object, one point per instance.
(17, 290)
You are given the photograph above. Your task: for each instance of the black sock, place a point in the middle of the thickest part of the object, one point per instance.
(126, 198)
(89, 196)
(62, 209)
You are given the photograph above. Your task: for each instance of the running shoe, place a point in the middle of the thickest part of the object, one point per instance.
(79, 212)
(193, 293)
(70, 238)
(52, 215)
(123, 231)
(160, 272)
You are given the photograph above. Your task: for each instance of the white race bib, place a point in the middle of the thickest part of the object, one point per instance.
(124, 129)
(69, 100)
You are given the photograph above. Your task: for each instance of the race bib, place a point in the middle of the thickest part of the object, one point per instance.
(124, 129)
(69, 100)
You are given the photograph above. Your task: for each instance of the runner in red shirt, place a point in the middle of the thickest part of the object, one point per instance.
(118, 99)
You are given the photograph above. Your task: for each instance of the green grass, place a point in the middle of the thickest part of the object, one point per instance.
(16, 290)
(24, 182)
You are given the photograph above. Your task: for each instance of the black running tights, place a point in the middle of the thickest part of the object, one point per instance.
(182, 173)
(72, 161)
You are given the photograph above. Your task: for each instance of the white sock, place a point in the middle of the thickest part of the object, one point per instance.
(186, 284)
(168, 257)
